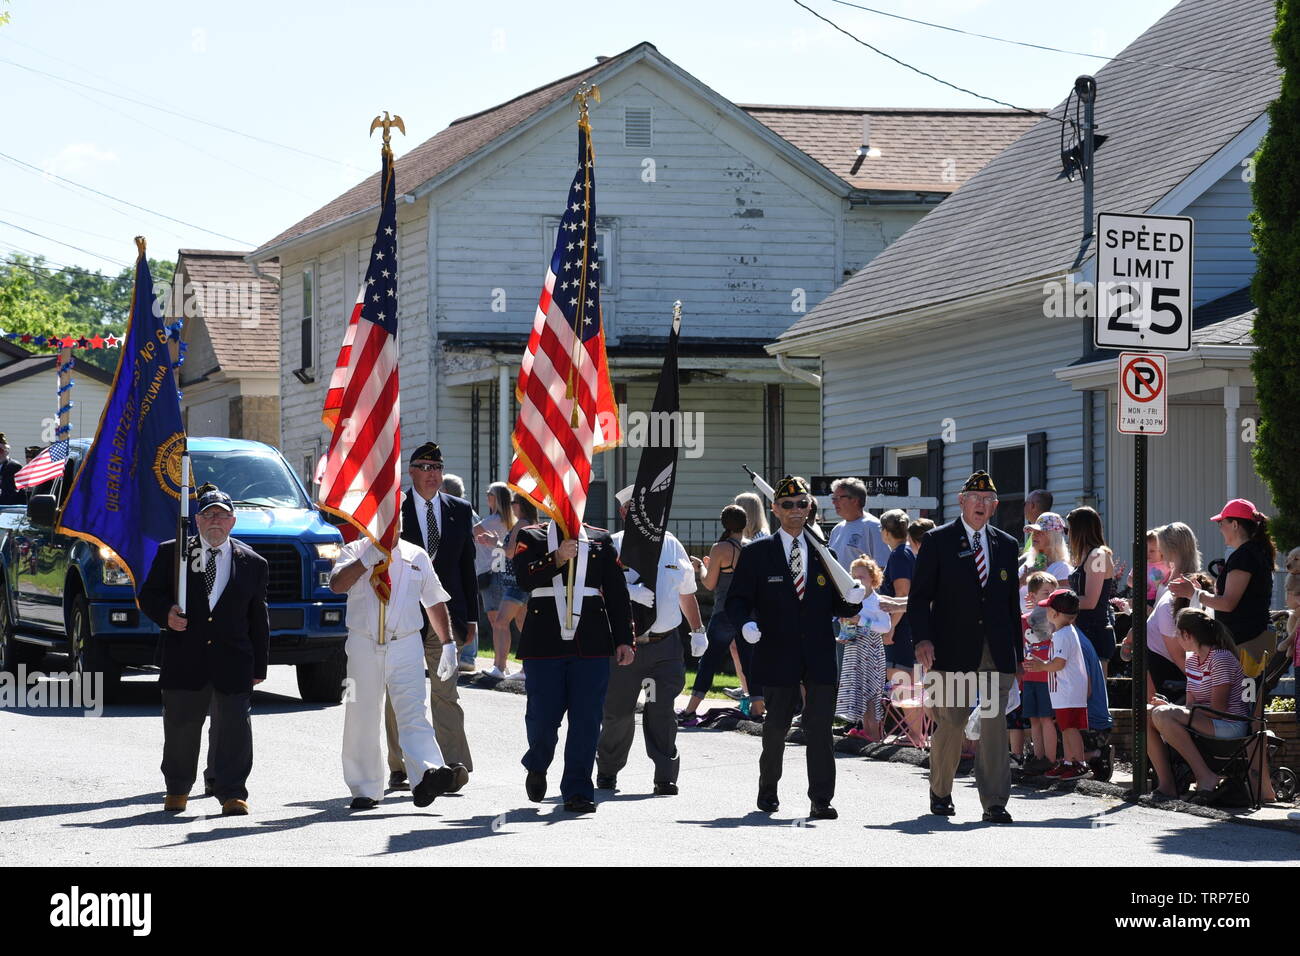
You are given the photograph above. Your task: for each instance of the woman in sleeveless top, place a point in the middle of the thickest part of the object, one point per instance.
(1093, 579)
(514, 600)
(716, 572)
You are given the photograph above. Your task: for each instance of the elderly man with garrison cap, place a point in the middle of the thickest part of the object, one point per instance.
(212, 654)
(964, 608)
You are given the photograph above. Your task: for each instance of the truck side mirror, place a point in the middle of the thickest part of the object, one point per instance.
(41, 509)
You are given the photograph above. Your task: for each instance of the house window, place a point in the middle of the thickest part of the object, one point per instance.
(307, 341)
(638, 127)
(1009, 469)
(604, 252)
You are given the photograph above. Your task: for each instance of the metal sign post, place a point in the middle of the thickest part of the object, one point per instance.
(1139, 606)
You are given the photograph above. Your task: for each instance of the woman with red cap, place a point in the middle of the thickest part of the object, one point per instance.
(1244, 587)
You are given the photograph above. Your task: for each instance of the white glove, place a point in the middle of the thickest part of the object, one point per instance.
(857, 594)
(699, 643)
(371, 556)
(641, 594)
(447, 663)
(750, 632)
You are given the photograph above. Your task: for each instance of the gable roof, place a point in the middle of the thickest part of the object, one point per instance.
(238, 345)
(919, 147)
(1165, 112)
(35, 363)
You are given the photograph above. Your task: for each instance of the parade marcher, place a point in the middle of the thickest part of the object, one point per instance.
(658, 666)
(964, 608)
(568, 670)
(395, 666)
(211, 655)
(442, 525)
(9, 492)
(783, 600)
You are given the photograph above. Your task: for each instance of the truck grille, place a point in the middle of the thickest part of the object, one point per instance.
(284, 582)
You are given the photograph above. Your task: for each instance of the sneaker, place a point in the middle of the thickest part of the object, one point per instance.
(467, 668)
(735, 693)
(1057, 769)
(1073, 771)
(685, 719)
(517, 675)
(494, 671)
(859, 734)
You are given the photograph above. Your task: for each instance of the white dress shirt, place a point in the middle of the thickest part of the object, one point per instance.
(675, 576)
(787, 540)
(422, 513)
(224, 557)
(415, 586)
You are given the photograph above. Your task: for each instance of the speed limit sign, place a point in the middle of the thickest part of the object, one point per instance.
(1144, 282)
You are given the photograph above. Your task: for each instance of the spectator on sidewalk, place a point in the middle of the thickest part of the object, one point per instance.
(1093, 580)
(755, 515)
(1067, 682)
(1047, 551)
(858, 533)
(862, 677)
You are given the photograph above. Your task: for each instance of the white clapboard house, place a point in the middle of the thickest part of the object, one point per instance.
(749, 215)
(948, 352)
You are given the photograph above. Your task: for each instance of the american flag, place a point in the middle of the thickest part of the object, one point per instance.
(362, 479)
(48, 464)
(566, 402)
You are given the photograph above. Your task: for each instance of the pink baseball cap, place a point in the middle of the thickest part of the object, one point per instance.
(1238, 508)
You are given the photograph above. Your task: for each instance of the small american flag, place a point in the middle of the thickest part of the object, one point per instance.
(566, 403)
(48, 464)
(361, 480)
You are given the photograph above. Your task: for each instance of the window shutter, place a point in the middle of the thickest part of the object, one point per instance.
(934, 475)
(876, 460)
(980, 456)
(1037, 460)
(306, 344)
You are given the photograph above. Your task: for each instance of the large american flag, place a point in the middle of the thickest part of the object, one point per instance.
(362, 479)
(48, 464)
(566, 402)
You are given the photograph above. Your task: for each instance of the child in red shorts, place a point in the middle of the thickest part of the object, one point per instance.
(1067, 682)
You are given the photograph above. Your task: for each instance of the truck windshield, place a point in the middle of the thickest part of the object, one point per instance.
(251, 479)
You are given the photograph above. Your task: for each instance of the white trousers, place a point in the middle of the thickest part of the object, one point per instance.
(398, 666)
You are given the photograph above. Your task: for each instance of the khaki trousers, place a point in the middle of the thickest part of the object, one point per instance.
(954, 694)
(448, 718)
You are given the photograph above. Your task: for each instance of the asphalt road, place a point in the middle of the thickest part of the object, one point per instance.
(86, 791)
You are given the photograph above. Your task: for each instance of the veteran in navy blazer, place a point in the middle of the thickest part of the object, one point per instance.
(443, 525)
(964, 611)
(212, 655)
(782, 598)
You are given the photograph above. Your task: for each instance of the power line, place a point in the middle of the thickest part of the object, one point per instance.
(38, 171)
(61, 225)
(1052, 49)
(917, 69)
(97, 255)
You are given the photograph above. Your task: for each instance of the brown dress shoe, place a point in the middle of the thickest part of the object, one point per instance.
(234, 808)
(175, 802)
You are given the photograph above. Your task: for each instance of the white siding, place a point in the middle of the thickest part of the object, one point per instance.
(30, 405)
(869, 229)
(1223, 260)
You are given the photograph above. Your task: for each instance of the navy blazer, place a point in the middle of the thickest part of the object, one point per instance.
(454, 561)
(798, 642)
(226, 646)
(947, 606)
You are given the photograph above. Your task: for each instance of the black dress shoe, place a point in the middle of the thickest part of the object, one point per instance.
(606, 783)
(535, 784)
(397, 781)
(768, 804)
(941, 806)
(362, 803)
(459, 777)
(436, 780)
(997, 815)
(823, 811)
(666, 789)
(579, 805)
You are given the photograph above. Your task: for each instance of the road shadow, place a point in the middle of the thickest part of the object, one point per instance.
(38, 810)
(754, 818)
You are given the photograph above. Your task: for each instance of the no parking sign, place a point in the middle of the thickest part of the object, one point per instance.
(1142, 406)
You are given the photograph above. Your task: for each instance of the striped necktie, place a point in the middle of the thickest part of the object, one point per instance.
(981, 561)
(796, 568)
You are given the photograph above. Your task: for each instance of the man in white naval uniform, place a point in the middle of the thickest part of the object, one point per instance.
(396, 665)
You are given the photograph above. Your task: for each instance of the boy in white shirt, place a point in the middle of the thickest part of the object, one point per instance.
(1067, 681)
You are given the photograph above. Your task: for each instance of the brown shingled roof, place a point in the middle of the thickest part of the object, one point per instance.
(238, 345)
(916, 145)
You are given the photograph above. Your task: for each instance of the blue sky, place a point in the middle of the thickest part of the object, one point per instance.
(312, 75)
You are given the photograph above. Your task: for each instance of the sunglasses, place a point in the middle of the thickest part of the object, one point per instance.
(788, 505)
(427, 465)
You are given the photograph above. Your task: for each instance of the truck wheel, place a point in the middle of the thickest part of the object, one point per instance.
(12, 651)
(88, 655)
(322, 682)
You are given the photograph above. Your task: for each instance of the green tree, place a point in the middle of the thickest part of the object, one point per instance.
(1276, 288)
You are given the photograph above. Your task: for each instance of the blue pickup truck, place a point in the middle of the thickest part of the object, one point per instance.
(60, 594)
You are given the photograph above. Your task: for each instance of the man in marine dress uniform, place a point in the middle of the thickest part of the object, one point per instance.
(395, 666)
(964, 608)
(567, 670)
(442, 525)
(783, 599)
(658, 667)
(211, 656)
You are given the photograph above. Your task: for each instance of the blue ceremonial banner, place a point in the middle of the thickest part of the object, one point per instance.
(126, 495)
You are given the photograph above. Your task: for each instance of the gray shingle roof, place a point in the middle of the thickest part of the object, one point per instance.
(1014, 220)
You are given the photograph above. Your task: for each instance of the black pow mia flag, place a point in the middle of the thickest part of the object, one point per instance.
(656, 475)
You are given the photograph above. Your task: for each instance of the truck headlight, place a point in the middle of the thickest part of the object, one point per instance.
(113, 571)
(329, 551)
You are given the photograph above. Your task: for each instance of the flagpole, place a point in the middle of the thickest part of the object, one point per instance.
(182, 537)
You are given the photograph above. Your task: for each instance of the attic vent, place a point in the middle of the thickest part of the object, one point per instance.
(637, 127)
